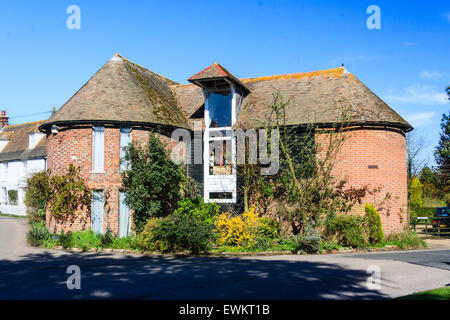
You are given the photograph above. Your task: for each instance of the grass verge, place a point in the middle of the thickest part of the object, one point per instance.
(435, 294)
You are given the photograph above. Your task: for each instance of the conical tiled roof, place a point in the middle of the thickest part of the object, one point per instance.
(122, 91)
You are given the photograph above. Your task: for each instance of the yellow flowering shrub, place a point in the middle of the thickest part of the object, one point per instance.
(239, 231)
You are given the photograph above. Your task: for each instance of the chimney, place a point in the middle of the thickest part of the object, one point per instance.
(3, 120)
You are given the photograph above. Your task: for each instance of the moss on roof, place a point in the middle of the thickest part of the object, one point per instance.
(17, 147)
(314, 96)
(122, 91)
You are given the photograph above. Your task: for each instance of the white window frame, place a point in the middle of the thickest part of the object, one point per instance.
(98, 149)
(124, 165)
(219, 180)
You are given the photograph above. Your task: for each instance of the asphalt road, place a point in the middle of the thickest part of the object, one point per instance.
(31, 273)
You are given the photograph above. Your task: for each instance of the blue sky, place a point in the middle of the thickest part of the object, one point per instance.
(406, 62)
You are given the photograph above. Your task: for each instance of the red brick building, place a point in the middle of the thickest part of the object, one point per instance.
(123, 101)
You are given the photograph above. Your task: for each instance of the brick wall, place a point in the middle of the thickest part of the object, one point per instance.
(376, 158)
(74, 146)
(372, 157)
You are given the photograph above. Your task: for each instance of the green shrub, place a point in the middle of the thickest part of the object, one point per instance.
(146, 241)
(416, 191)
(153, 181)
(38, 234)
(107, 239)
(51, 242)
(262, 244)
(197, 208)
(375, 227)
(347, 230)
(130, 243)
(86, 240)
(175, 233)
(37, 194)
(269, 228)
(308, 242)
(66, 240)
(68, 193)
(404, 240)
(191, 189)
(423, 212)
(329, 246)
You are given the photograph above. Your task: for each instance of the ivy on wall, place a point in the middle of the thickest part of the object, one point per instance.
(68, 193)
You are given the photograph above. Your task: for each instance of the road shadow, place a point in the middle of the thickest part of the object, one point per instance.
(108, 276)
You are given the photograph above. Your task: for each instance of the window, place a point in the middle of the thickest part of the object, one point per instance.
(98, 149)
(125, 139)
(220, 109)
(221, 195)
(97, 211)
(3, 170)
(220, 158)
(34, 139)
(124, 216)
(4, 195)
(24, 169)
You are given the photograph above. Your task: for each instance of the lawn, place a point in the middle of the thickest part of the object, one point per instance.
(435, 294)
(11, 215)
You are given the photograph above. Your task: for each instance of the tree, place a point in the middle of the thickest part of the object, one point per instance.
(309, 193)
(442, 155)
(153, 181)
(415, 160)
(429, 180)
(37, 195)
(416, 194)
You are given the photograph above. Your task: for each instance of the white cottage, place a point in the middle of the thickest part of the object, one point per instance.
(23, 151)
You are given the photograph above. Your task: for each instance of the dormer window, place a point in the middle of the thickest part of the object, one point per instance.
(219, 104)
(33, 139)
(224, 95)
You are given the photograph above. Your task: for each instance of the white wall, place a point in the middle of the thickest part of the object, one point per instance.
(13, 176)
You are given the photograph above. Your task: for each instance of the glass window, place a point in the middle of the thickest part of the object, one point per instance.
(220, 158)
(97, 211)
(220, 109)
(125, 139)
(442, 212)
(124, 216)
(98, 149)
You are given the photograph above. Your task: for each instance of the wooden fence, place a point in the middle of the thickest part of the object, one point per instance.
(436, 226)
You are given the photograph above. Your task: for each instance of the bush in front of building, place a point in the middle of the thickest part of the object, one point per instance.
(355, 230)
(238, 231)
(152, 183)
(197, 208)
(68, 193)
(176, 233)
(269, 228)
(38, 234)
(37, 195)
(347, 230)
(405, 239)
(374, 225)
(307, 242)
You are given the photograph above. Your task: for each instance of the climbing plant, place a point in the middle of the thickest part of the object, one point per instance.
(68, 193)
